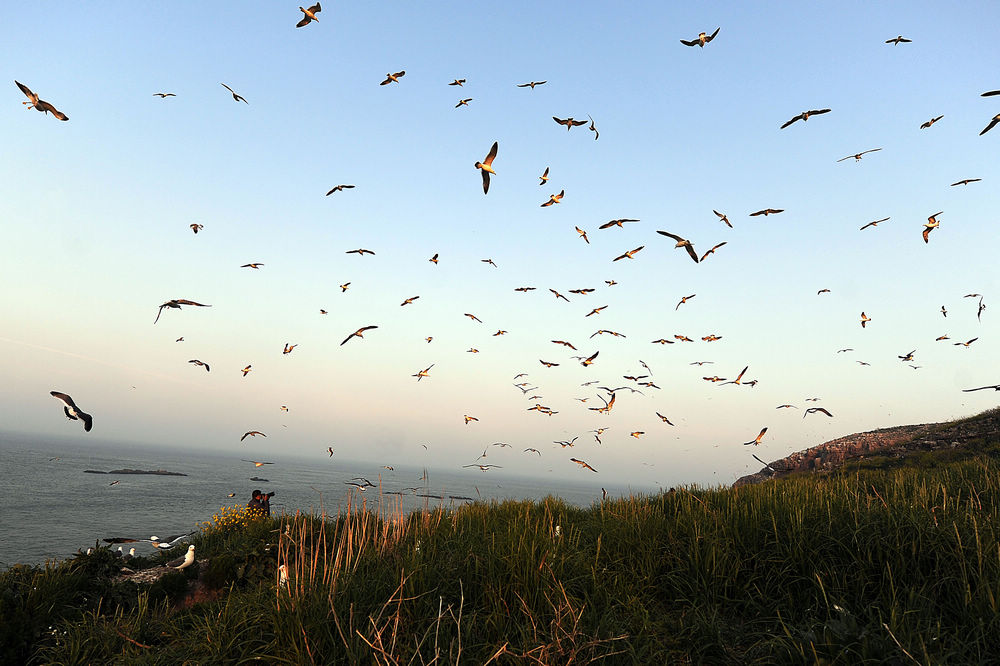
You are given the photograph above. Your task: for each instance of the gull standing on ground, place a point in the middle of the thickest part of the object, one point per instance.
(183, 562)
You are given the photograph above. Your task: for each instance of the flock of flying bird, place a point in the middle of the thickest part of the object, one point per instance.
(487, 171)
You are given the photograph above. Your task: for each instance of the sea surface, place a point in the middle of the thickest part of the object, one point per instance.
(52, 508)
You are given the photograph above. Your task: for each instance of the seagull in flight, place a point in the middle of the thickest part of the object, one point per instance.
(73, 412)
(570, 123)
(873, 223)
(236, 98)
(201, 363)
(932, 223)
(723, 217)
(804, 116)
(813, 410)
(857, 156)
(531, 84)
(257, 463)
(392, 78)
(583, 464)
(486, 166)
(899, 39)
(701, 39)
(309, 15)
(931, 122)
(40, 104)
(966, 181)
(359, 333)
(682, 242)
(252, 433)
(760, 436)
(995, 387)
(340, 188)
(423, 373)
(176, 304)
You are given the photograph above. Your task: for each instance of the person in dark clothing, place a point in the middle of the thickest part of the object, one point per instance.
(260, 503)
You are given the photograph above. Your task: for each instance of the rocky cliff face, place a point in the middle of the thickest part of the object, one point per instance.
(896, 442)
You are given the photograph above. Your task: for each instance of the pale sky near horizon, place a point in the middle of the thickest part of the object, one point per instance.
(96, 211)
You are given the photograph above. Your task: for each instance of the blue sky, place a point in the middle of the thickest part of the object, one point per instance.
(96, 211)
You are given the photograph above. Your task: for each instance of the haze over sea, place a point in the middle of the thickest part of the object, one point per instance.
(53, 508)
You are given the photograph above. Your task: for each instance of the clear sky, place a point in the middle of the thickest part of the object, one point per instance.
(95, 216)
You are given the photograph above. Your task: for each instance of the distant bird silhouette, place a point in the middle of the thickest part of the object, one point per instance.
(570, 123)
(236, 98)
(309, 15)
(197, 362)
(857, 156)
(392, 78)
(358, 333)
(531, 84)
(176, 304)
(899, 39)
(874, 223)
(162, 95)
(804, 116)
(931, 122)
(701, 39)
(339, 188)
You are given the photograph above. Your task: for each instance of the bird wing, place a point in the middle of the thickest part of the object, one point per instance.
(691, 252)
(992, 124)
(492, 154)
(44, 106)
(712, 36)
(30, 95)
(689, 43)
(798, 117)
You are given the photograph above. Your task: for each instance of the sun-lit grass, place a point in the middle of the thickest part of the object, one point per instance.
(875, 566)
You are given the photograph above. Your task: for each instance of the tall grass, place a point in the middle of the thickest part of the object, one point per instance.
(897, 566)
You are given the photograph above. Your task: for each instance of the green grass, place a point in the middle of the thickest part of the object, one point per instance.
(894, 565)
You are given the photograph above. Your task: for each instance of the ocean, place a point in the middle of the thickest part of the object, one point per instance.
(52, 508)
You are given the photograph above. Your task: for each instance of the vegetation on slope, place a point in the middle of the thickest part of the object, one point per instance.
(897, 566)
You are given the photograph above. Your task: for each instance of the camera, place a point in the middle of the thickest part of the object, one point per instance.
(269, 495)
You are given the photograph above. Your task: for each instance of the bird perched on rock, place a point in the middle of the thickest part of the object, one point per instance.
(183, 562)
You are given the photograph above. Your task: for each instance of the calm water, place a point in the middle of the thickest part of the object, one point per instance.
(52, 508)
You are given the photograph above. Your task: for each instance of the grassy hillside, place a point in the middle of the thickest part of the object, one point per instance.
(872, 565)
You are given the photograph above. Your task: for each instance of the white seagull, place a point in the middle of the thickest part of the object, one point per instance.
(183, 562)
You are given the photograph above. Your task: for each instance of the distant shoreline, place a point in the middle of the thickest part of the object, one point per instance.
(156, 472)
